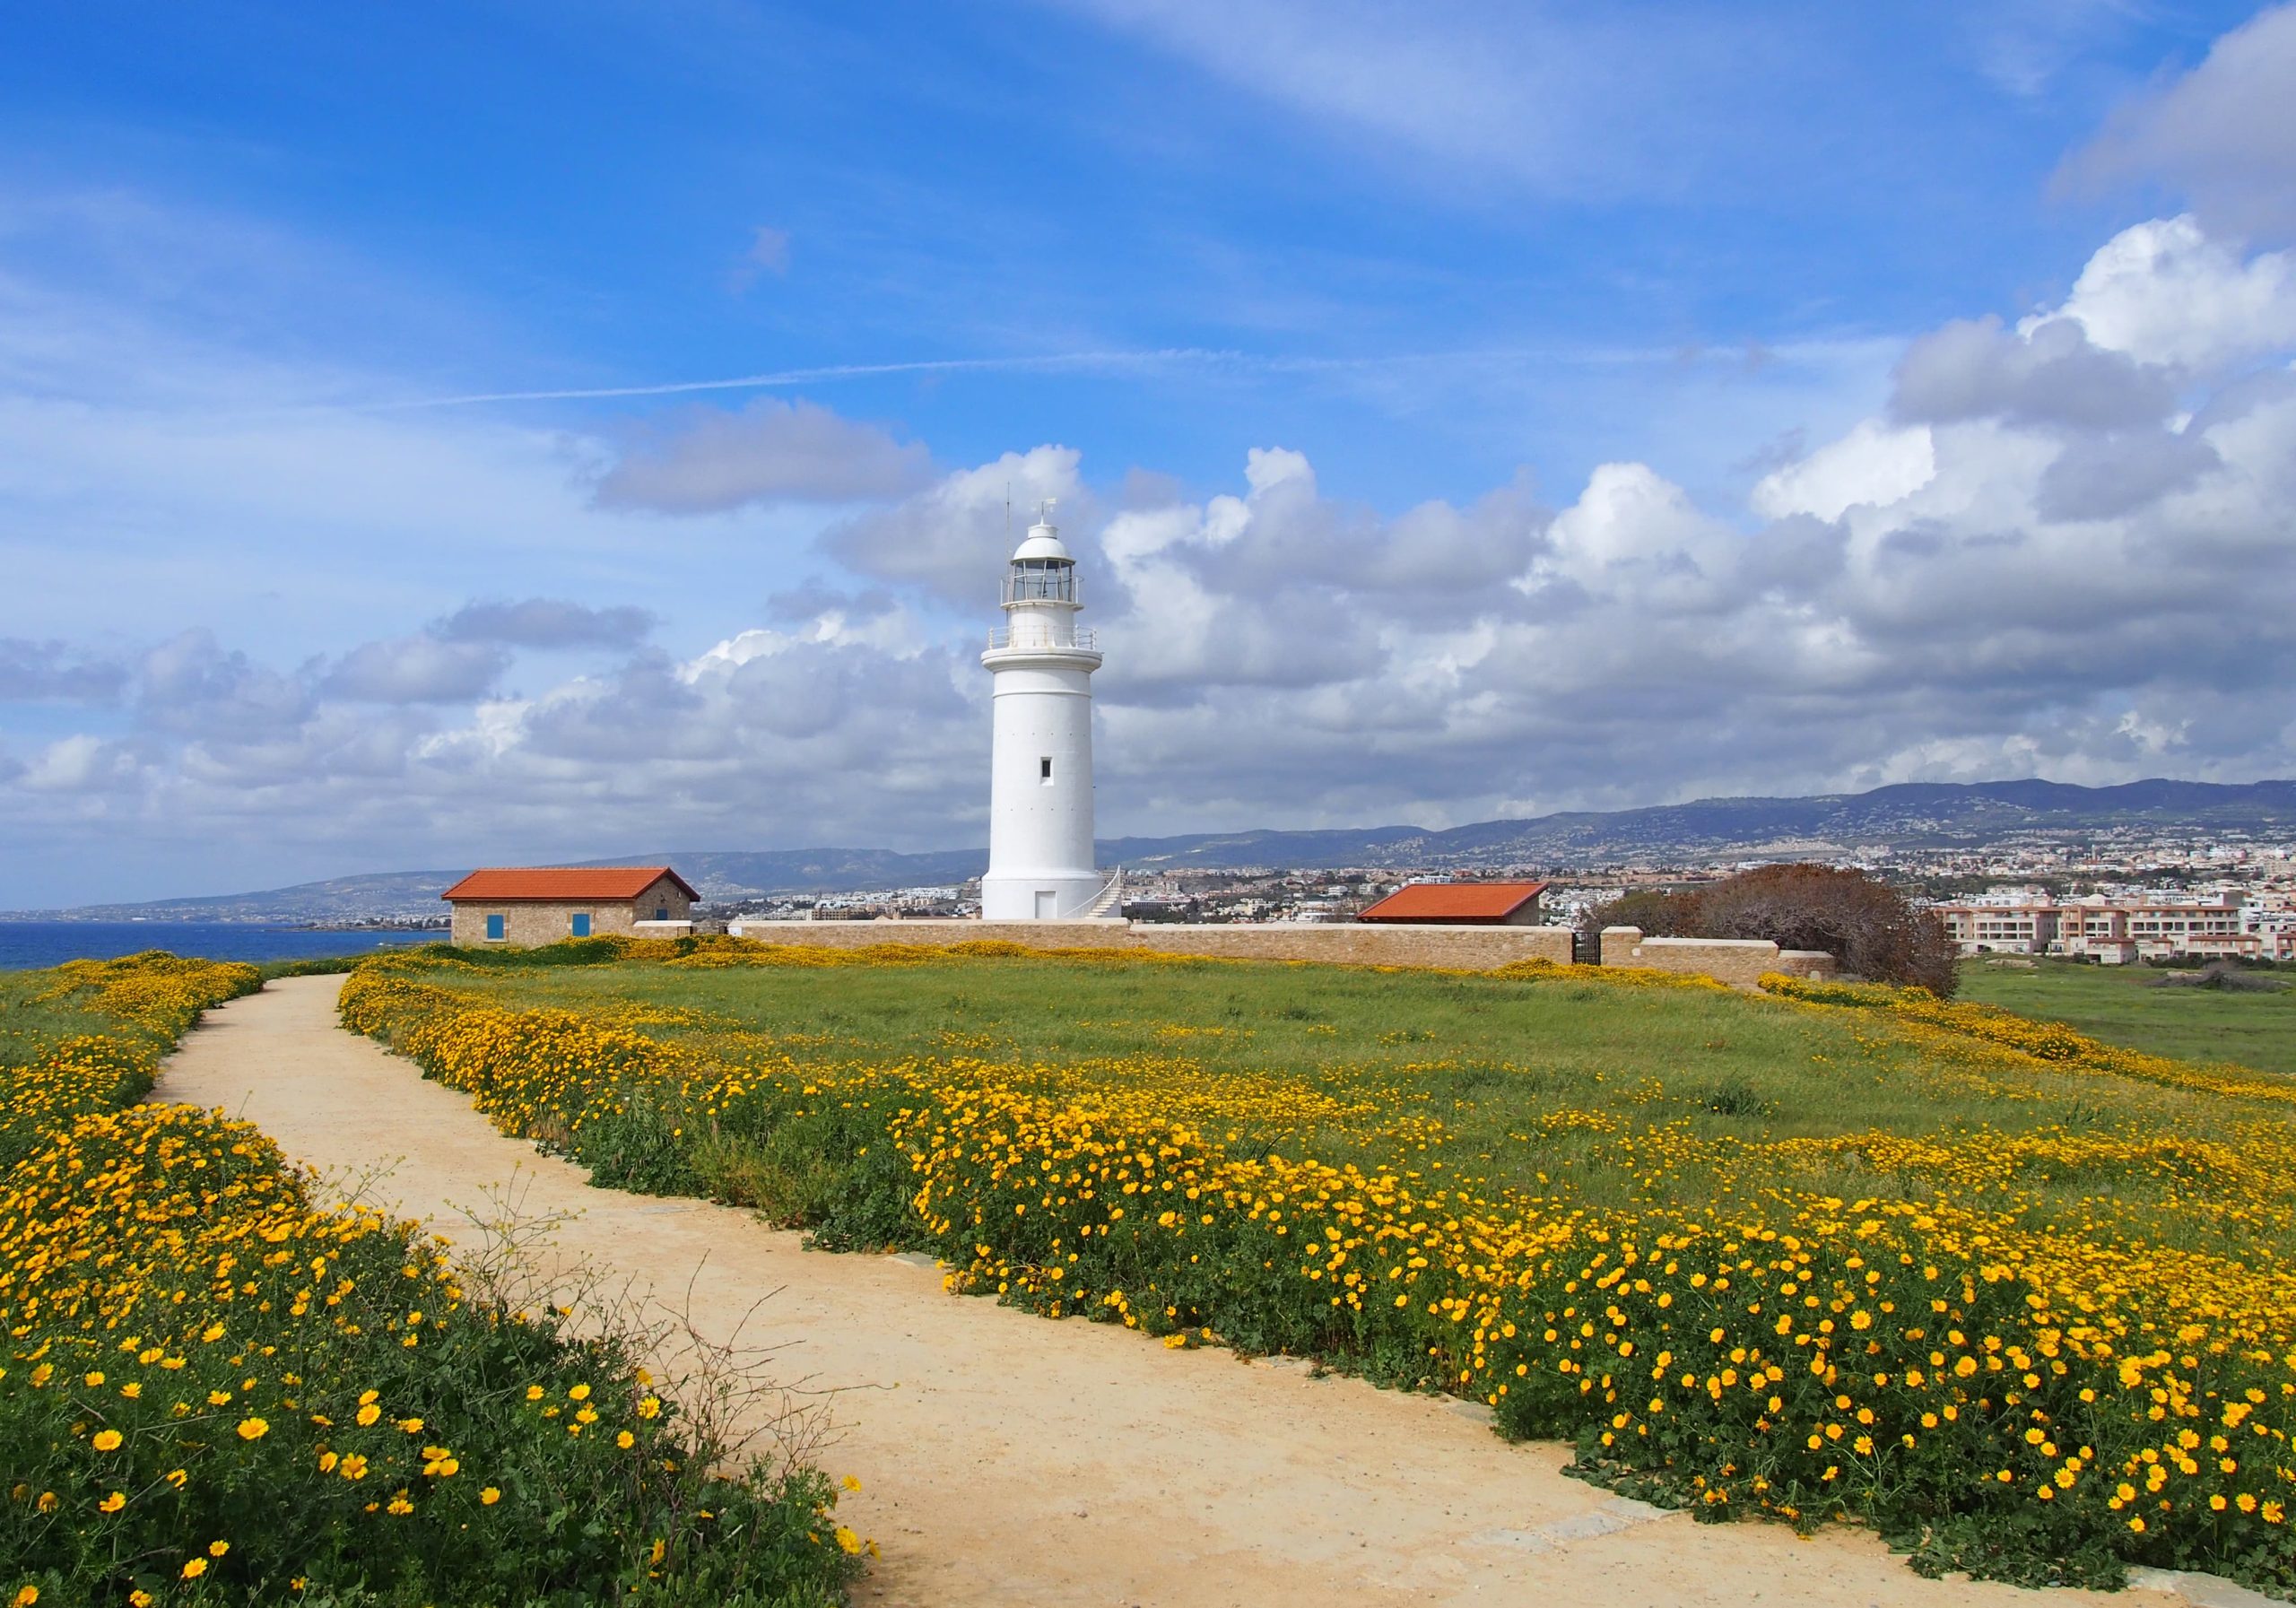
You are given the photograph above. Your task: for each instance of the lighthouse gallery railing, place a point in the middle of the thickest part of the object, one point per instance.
(1084, 637)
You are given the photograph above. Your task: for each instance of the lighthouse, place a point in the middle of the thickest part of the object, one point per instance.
(1040, 765)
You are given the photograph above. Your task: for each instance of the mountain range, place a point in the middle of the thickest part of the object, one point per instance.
(1907, 815)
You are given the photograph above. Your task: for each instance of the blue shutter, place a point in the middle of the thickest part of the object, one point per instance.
(494, 926)
(582, 925)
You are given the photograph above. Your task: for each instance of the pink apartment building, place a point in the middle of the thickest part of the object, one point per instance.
(2113, 930)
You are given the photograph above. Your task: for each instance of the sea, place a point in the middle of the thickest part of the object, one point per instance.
(32, 943)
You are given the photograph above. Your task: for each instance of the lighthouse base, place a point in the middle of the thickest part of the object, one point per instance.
(1051, 896)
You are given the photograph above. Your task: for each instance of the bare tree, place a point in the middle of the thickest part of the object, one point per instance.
(1870, 927)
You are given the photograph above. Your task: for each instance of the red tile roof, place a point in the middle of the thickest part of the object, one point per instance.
(1453, 901)
(514, 884)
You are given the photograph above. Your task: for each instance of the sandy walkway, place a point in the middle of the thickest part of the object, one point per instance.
(1009, 1459)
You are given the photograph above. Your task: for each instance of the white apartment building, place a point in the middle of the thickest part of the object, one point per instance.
(2112, 929)
(2273, 926)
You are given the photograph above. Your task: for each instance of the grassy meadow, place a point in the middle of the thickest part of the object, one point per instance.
(2012, 1294)
(2129, 1006)
(1567, 1086)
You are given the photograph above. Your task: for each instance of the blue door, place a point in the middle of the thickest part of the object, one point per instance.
(494, 928)
(582, 925)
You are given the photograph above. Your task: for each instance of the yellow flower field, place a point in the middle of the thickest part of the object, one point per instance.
(209, 1384)
(2038, 1351)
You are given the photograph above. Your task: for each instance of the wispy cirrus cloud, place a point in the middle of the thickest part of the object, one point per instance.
(707, 460)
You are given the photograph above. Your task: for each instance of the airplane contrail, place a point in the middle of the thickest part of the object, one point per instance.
(1148, 358)
(799, 376)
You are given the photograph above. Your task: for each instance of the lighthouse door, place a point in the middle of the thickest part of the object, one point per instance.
(1045, 904)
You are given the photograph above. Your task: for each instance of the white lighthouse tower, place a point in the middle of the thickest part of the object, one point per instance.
(1041, 769)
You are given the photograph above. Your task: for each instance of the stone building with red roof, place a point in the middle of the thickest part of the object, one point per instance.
(528, 906)
(1460, 904)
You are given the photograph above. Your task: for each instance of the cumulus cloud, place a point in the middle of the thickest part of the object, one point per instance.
(952, 538)
(2163, 292)
(53, 673)
(545, 622)
(2017, 569)
(2103, 475)
(2048, 374)
(707, 460)
(2223, 134)
(419, 669)
(81, 764)
(2062, 548)
(193, 685)
(1872, 465)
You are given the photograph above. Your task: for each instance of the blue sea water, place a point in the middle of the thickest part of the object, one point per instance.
(29, 943)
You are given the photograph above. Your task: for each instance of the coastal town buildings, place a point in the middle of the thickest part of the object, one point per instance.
(2113, 930)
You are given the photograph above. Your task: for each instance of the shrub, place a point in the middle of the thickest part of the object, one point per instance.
(1658, 913)
(1873, 930)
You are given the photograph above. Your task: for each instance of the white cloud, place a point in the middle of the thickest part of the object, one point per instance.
(2048, 371)
(1276, 654)
(79, 764)
(1873, 464)
(952, 538)
(1631, 530)
(2025, 563)
(2223, 134)
(546, 622)
(1580, 102)
(45, 672)
(420, 669)
(2166, 293)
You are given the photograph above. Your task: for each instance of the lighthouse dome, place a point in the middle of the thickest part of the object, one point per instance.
(1042, 544)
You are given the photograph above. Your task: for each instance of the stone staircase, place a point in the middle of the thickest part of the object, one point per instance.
(1110, 901)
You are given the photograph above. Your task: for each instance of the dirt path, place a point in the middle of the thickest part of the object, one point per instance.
(1008, 1459)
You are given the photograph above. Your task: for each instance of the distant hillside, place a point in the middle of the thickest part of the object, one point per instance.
(1912, 814)
(393, 894)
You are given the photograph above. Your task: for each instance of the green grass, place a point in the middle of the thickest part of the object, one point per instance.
(1722, 1179)
(2124, 1005)
(1511, 1069)
(31, 1026)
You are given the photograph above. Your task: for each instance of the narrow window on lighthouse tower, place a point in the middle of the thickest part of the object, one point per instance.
(1044, 769)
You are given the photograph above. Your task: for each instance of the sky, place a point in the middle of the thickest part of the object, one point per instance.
(433, 436)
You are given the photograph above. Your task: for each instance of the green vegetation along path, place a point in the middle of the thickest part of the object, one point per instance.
(1009, 1459)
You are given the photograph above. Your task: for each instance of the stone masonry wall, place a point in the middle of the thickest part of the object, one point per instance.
(1363, 944)
(1467, 948)
(1737, 962)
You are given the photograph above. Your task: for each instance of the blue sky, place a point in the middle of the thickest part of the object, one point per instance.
(1573, 346)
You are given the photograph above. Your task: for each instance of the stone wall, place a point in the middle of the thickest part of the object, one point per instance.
(1737, 962)
(1467, 948)
(855, 935)
(1363, 944)
(528, 923)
